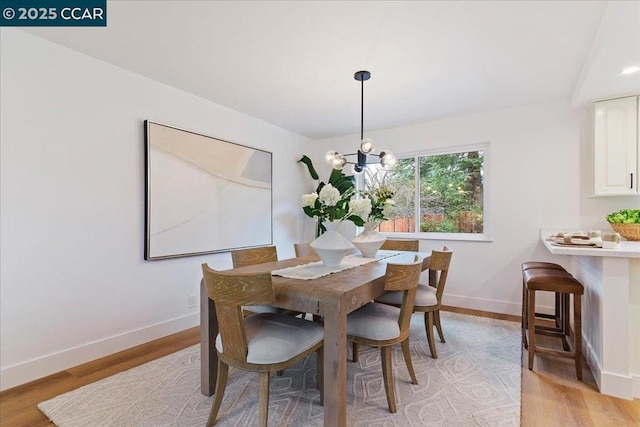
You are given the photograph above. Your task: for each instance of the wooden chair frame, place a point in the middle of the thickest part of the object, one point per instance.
(412, 245)
(438, 269)
(399, 277)
(252, 256)
(229, 292)
(401, 245)
(305, 250)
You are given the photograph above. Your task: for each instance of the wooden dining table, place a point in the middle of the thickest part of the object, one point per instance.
(333, 297)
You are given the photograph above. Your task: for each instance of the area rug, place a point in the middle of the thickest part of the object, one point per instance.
(474, 382)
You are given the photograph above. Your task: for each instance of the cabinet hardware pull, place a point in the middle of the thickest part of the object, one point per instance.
(632, 180)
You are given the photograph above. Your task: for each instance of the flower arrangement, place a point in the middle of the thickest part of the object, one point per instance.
(337, 200)
(332, 201)
(330, 205)
(381, 199)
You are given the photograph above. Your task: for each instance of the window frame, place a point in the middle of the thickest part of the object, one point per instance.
(485, 236)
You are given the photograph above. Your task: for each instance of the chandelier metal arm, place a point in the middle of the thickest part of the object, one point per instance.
(337, 160)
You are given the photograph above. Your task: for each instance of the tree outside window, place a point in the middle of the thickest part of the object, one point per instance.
(450, 193)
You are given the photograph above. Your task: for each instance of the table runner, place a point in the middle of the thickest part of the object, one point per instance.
(316, 269)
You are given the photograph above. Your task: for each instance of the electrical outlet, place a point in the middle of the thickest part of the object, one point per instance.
(192, 301)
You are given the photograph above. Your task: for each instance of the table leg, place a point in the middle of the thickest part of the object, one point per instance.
(335, 365)
(208, 333)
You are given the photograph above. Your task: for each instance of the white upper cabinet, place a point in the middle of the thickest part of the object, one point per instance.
(616, 148)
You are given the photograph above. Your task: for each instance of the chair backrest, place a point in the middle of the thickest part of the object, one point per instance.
(439, 265)
(401, 245)
(253, 256)
(229, 293)
(304, 250)
(404, 277)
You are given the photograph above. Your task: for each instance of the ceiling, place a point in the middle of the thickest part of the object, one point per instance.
(292, 63)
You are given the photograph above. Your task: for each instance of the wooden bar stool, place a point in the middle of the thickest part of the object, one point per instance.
(563, 283)
(558, 314)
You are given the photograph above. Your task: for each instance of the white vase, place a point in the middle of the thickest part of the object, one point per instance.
(342, 227)
(369, 241)
(331, 246)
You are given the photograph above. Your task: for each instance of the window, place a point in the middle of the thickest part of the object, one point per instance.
(442, 193)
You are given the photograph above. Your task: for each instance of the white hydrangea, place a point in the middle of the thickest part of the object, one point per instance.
(388, 207)
(329, 195)
(309, 199)
(361, 208)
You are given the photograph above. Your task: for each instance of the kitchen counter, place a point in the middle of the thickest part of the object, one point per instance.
(611, 312)
(626, 250)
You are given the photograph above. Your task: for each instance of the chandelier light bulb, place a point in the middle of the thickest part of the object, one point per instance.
(366, 145)
(331, 154)
(387, 159)
(338, 161)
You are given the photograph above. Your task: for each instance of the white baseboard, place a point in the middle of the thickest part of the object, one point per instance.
(621, 386)
(494, 306)
(616, 385)
(592, 361)
(34, 369)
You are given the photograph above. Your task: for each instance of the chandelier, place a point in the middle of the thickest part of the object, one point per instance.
(386, 157)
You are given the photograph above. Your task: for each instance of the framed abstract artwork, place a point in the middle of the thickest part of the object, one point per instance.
(203, 194)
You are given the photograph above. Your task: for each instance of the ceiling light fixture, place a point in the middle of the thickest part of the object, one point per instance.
(631, 70)
(338, 161)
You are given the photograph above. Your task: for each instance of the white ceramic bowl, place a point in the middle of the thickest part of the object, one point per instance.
(332, 257)
(331, 247)
(368, 249)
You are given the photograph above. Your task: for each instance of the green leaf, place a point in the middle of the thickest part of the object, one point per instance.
(356, 220)
(340, 181)
(624, 216)
(312, 171)
(308, 210)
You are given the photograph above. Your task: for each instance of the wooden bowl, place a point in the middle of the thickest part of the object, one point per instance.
(628, 231)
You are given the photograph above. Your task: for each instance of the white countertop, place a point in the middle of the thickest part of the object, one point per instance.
(627, 249)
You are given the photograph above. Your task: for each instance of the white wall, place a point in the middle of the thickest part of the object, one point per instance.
(539, 178)
(74, 285)
(73, 282)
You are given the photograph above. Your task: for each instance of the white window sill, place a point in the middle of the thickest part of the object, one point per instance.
(440, 236)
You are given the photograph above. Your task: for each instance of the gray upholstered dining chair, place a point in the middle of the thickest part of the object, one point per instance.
(383, 326)
(253, 256)
(264, 342)
(428, 298)
(411, 245)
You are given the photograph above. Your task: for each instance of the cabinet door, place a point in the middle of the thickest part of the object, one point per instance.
(616, 147)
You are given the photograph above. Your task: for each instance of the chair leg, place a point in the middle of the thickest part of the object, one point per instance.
(354, 351)
(428, 325)
(406, 352)
(577, 324)
(264, 399)
(531, 326)
(565, 323)
(438, 325)
(558, 311)
(320, 373)
(387, 375)
(221, 384)
(525, 315)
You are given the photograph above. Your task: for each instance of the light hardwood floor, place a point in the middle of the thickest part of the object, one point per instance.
(551, 394)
